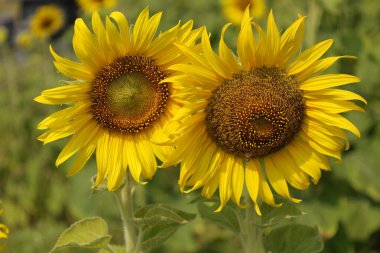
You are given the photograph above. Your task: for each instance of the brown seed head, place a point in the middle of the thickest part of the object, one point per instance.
(256, 113)
(127, 96)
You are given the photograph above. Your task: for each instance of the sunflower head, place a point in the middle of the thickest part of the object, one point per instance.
(264, 119)
(46, 21)
(233, 9)
(4, 232)
(121, 97)
(3, 34)
(93, 5)
(24, 39)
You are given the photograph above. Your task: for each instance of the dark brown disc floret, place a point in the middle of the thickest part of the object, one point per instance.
(127, 95)
(256, 113)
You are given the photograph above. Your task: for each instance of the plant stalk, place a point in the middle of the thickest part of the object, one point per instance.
(125, 203)
(253, 237)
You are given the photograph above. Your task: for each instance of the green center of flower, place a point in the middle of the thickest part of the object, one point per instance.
(256, 113)
(127, 95)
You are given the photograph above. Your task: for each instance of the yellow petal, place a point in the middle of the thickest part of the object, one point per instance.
(319, 66)
(277, 180)
(252, 178)
(291, 42)
(302, 155)
(82, 158)
(225, 190)
(237, 180)
(226, 54)
(117, 171)
(81, 138)
(71, 69)
(273, 40)
(309, 56)
(134, 164)
(333, 120)
(330, 106)
(328, 81)
(102, 156)
(246, 43)
(334, 94)
(64, 94)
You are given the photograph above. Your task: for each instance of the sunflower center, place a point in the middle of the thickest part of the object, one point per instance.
(243, 4)
(46, 22)
(127, 96)
(256, 113)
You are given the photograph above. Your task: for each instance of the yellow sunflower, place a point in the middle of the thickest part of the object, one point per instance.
(119, 100)
(3, 34)
(262, 118)
(4, 231)
(93, 5)
(233, 9)
(46, 21)
(24, 39)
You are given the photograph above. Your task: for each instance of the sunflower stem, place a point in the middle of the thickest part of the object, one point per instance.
(253, 238)
(314, 18)
(125, 203)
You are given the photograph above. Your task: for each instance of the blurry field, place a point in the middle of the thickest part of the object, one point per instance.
(39, 201)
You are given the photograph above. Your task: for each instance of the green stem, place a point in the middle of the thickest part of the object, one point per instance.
(314, 19)
(253, 237)
(125, 203)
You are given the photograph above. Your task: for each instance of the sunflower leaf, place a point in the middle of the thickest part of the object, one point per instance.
(158, 222)
(227, 217)
(89, 233)
(293, 238)
(272, 216)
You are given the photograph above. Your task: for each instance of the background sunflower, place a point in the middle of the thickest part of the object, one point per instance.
(93, 5)
(46, 21)
(233, 9)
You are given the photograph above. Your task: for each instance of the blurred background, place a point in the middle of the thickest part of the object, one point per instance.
(39, 201)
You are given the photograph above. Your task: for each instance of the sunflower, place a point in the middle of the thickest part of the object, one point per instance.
(4, 231)
(233, 9)
(24, 39)
(262, 119)
(119, 100)
(46, 21)
(3, 34)
(93, 5)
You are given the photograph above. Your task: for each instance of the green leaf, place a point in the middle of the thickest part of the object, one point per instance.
(326, 215)
(226, 218)
(360, 219)
(114, 248)
(293, 238)
(89, 233)
(158, 222)
(360, 168)
(275, 215)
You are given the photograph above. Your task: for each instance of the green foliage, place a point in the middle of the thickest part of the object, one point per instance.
(158, 222)
(228, 217)
(89, 233)
(294, 238)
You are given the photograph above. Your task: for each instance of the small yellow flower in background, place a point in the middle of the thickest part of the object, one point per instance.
(24, 39)
(3, 34)
(93, 5)
(46, 21)
(119, 100)
(4, 232)
(261, 118)
(233, 9)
